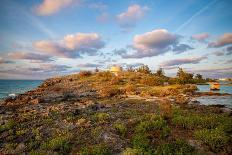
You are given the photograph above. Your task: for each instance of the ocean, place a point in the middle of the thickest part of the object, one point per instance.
(17, 86)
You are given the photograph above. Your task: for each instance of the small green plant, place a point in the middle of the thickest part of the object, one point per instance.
(8, 125)
(141, 141)
(131, 151)
(215, 138)
(178, 147)
(95, 150)
(120, 128)
(101, 116)
(153, 123)
(58, 143)
(165, 132)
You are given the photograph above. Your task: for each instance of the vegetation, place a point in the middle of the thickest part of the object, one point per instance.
(100, 114)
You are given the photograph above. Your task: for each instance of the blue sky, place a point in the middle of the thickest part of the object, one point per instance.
(44, 38)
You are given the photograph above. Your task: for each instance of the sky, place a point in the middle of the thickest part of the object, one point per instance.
(45, 38)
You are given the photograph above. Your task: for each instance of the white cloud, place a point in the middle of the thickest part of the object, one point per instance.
(181, 61)
(200, 37)
(225, 39)
(153, 43)
(48, 7)
(73, 45)
(131, 16)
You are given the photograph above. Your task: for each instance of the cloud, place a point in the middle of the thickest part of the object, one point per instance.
(30, 56)
(121, 51)
(219, 53)
(228, 61)
(129, 18)
(153, 43)
(201, 36)
(229, 50)
(181, 61)
(181, 48)
(42, 68)
(49, 7)
(214, 72)
(73, 45)
(89, 65)
(4, 61)
(225, 39)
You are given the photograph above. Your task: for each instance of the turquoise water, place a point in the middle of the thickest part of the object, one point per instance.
(223, 89)
(17, 86)
(215, 100)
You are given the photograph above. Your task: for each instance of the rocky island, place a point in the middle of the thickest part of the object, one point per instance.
(133, 113)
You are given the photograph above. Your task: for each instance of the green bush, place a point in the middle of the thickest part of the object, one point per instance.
(120, 128)
(95, 150)
(131, 151)
(178, 147)
(153, 123)
(101, 116)
(215, 138)
(192, 121)
(57, 143)
(8, 125)
(141, 141)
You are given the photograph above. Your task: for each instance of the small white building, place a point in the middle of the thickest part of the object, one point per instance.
(115, 70)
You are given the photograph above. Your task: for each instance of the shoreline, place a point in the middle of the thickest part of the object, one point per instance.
(116, 117)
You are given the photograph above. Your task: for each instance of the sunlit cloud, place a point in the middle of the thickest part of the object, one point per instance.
(201, 36)
(33, 57)
(153, 43)
(49, 7)
(181, 61)
(129, 18)
(71, 46)
(225, 39)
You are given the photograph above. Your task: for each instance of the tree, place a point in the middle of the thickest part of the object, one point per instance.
(144, 69)
(130, 69)
(96, 70)
(160, 72)
(198, 77)
(184, 77)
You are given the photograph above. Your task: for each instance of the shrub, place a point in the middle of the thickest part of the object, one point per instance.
(215, 138)
(195, 121)
(95, 150)
(153, 123)
(85, 73)
(178, 147)
(58, 143)
(131, 151)
(115, 80)
(102, 116)
(165, 132)
(141, 141)
(108, 91)
(130, 89)
(151, 81)
(8, 125)
(120, 128)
